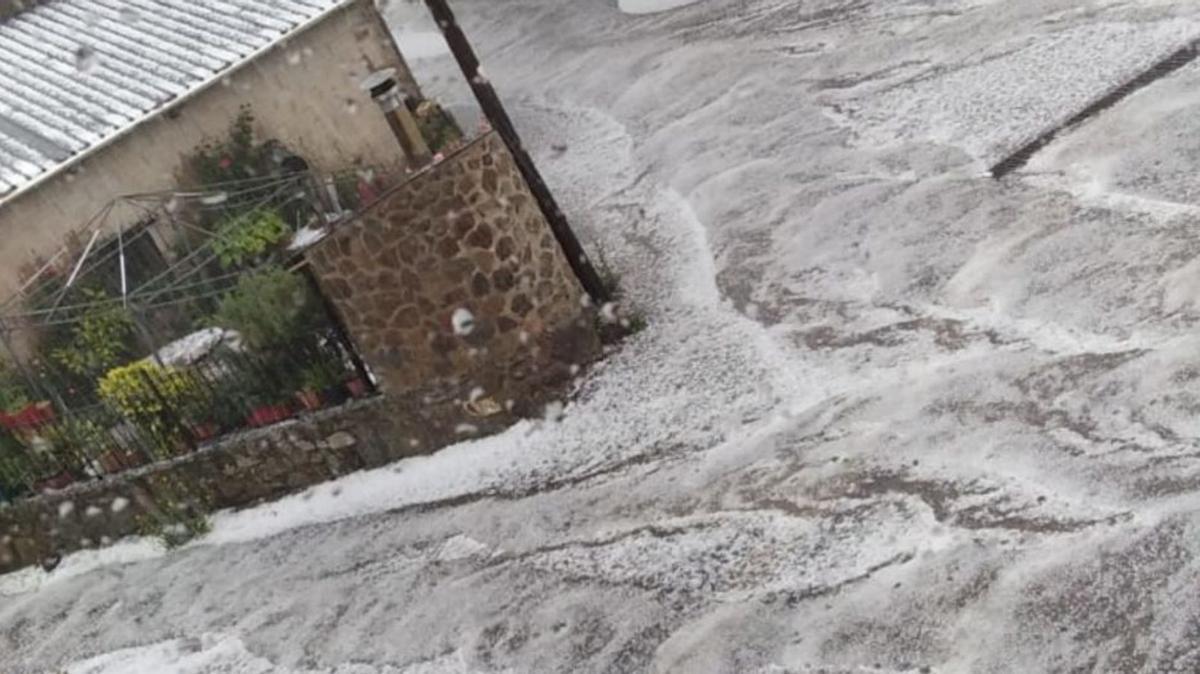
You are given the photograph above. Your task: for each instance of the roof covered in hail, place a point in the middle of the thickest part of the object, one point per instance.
(76, 73)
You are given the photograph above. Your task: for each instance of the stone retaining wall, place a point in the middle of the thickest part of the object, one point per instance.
(238, 471)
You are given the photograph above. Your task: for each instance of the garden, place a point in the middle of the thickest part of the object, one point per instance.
(196, 321)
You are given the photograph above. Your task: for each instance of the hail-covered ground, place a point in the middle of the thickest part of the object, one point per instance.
(889, 414)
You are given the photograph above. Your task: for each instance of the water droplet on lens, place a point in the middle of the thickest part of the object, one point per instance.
(463, 322)
(86, 59)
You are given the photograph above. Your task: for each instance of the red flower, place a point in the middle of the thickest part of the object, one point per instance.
(226, 162)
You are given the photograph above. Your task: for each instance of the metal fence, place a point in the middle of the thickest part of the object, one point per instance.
(150, 412)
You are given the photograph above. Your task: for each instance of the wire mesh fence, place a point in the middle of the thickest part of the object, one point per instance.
(147, 412)
(100, 372)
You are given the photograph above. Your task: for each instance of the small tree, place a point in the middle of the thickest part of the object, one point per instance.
(270, 308)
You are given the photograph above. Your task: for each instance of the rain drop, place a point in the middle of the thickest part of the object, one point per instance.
(214, 199)
(65, 509)
(293, 58)
(466, 429)
(463, 322)
(553, 412)
(119, 504)
(608, 312)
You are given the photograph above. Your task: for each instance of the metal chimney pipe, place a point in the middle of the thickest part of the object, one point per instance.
(386, 92)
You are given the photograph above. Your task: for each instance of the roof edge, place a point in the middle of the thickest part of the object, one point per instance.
(178, 101)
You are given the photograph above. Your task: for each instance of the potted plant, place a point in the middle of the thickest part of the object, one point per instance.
(155, 399)
(270, 413)
(268, 406)
(70, 442)
(321, 385)
(357, 386)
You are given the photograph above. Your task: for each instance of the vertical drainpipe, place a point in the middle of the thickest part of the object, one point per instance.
(386, 91)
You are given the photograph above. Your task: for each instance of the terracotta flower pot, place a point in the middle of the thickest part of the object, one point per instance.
(309, 400)
(269, 414)
(54, 483)
(357, 387)
(117, 460)
(204, 432)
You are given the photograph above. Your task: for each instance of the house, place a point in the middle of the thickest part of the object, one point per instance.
(102, 98)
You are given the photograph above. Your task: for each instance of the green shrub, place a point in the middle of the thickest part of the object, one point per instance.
(248, 237)
(154, 398)
(269, 308)
(99, 341)
(71, 440)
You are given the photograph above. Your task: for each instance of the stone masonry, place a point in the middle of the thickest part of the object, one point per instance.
(237, 471)
(454, 282)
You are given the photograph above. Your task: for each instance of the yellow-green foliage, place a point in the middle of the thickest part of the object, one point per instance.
(153, 397)
(98, 341)
(248, 236)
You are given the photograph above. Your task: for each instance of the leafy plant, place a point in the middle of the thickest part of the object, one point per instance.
(237, 157)
(321, 375)
(246, 237)
(270, 308)
(14, 395)
(16, 468)
(99, 341)
(154, 398)
(72, 439)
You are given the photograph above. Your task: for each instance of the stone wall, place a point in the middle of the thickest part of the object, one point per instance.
(238, 471)
(463, 241)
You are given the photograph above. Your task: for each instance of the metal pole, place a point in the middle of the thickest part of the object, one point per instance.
(493, 108)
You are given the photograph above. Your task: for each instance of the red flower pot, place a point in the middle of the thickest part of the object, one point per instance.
(269, 414)
(29, 419)
(56, 482)
(357, 387)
